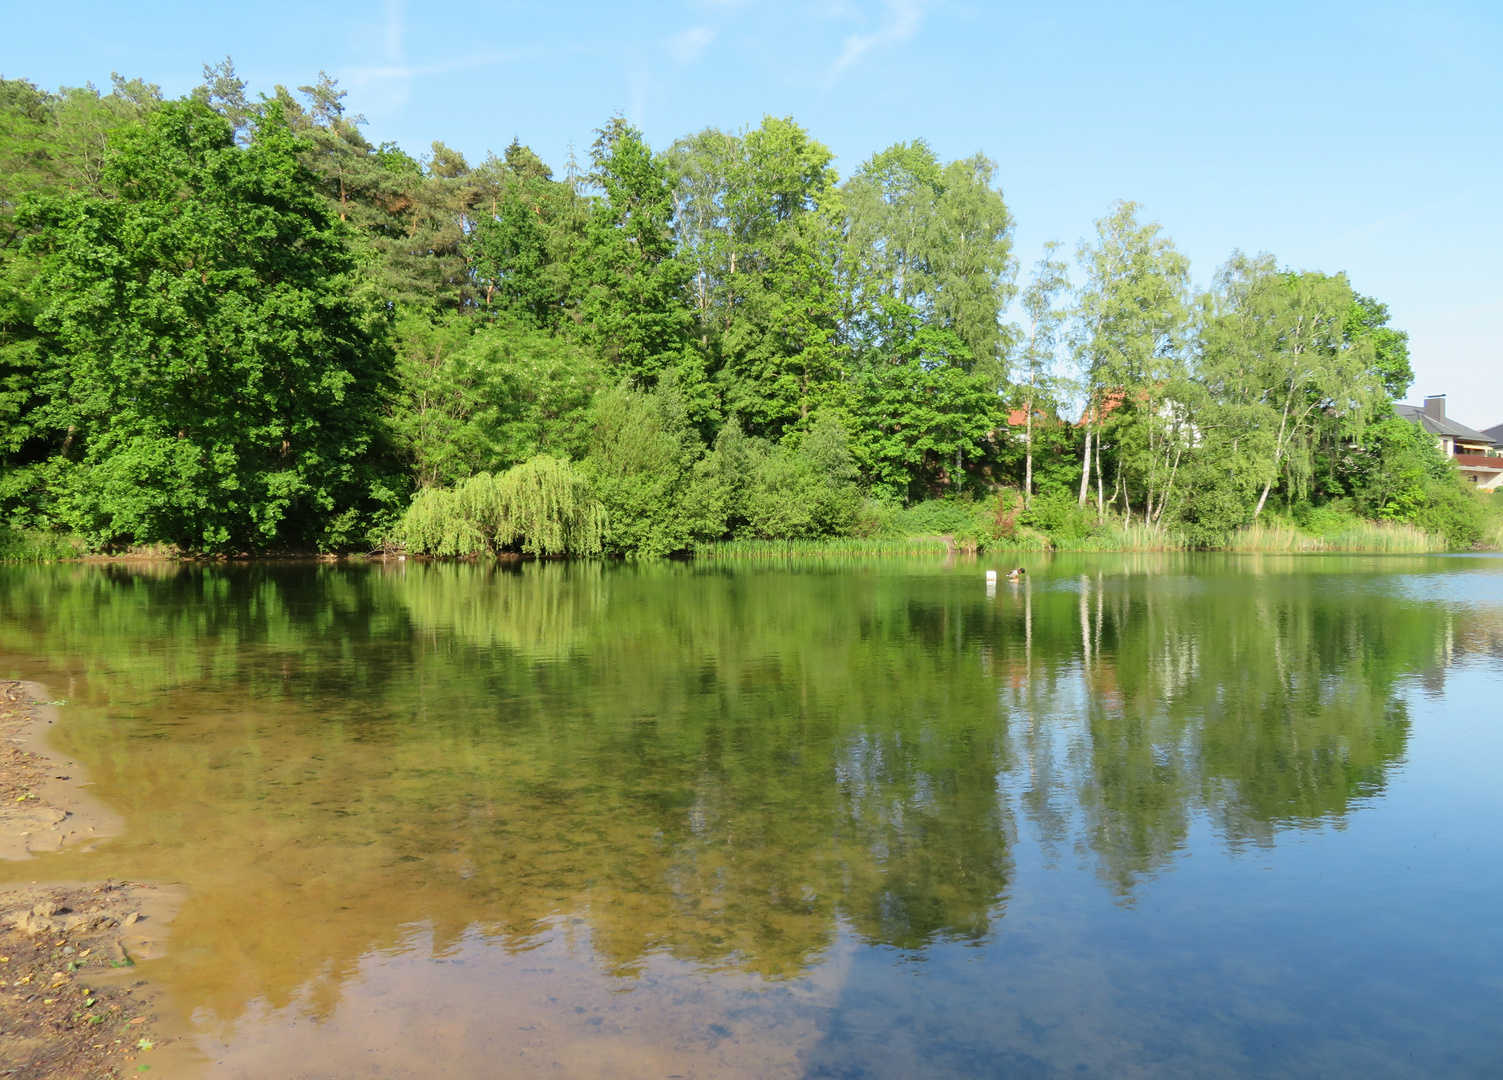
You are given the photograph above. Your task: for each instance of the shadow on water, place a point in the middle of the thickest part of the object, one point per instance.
(752, 773)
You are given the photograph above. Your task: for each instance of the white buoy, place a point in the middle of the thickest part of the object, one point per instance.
(991, 575)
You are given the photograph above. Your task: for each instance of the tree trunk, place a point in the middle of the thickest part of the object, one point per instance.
(1164, 500)
(1028, 444)
(1263, 498)
(1100, 494)
(1085, 469)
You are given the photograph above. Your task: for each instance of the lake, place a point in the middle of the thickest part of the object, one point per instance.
(1136, 816)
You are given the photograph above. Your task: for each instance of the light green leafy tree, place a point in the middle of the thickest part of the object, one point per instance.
(543, 506)
(761, 223)
(1048, 283)
(1276, 346)
(1131, 321)
(938, 238)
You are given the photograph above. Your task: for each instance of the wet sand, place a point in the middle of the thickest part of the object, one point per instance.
(72, 1002)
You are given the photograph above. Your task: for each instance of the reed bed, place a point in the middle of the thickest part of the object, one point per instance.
(1133, 536)
(36, 546)
(850, 546)
(1376, 536)
(1492, 529)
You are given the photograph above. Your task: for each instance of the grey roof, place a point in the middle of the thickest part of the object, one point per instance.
(1414, 414)
(1494, 433)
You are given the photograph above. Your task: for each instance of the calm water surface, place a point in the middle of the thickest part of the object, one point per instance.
(1142, 816)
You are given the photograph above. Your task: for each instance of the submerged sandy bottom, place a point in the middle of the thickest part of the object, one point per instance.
(477, 1009)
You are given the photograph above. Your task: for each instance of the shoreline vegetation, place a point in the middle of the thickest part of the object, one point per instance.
(1274, 537)
(231, 324)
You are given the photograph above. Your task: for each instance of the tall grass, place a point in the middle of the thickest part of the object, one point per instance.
(1131, 536)
(34, 546)
(1376, 536)
(1275, 538)
(857, 546)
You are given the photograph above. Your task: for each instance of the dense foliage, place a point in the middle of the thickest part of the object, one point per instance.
(234, 325)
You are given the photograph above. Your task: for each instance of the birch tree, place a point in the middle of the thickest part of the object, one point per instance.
(1131, 320)
(1049, 282)
(1277, 348)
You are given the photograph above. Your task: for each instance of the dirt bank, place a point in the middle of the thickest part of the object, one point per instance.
(72, 1003)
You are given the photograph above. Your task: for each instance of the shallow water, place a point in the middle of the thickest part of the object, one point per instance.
(1157, 816)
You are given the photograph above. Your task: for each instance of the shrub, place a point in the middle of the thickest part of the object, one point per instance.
(1058, 513)
(639, 466)
(804, 491)
(1210, 515)
(1325, 518)
(1452, 509)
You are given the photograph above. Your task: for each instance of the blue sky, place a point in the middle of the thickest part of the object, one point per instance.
(1358, 137)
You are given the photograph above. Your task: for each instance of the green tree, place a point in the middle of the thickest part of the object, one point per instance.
(221, 385)
(475, 396)
(1277, 348)
(49, 144)
(803, 490)
(761, 230)
(642, 453)
(1049, 281)
(1367, 321)
(1131, 322)
(634, 299)
(920, 413)
(938, 238)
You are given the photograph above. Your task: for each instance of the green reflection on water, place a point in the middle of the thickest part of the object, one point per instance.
(721, 763)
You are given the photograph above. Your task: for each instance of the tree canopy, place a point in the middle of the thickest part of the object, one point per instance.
(233, 322)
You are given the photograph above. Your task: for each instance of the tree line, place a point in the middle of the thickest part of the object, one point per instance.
(237, 325)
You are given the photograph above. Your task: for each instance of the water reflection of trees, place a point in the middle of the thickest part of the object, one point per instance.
(1261, 702)
(717, 764)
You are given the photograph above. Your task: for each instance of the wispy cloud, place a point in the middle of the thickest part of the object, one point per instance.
(688, 45)
(899, 23)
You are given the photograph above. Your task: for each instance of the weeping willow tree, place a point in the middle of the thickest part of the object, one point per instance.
(540, 507)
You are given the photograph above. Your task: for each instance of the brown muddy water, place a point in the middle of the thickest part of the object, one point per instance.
(1139, 816)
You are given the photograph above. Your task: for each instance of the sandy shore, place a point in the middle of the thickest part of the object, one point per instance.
(72, 1002)
(44, 803)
